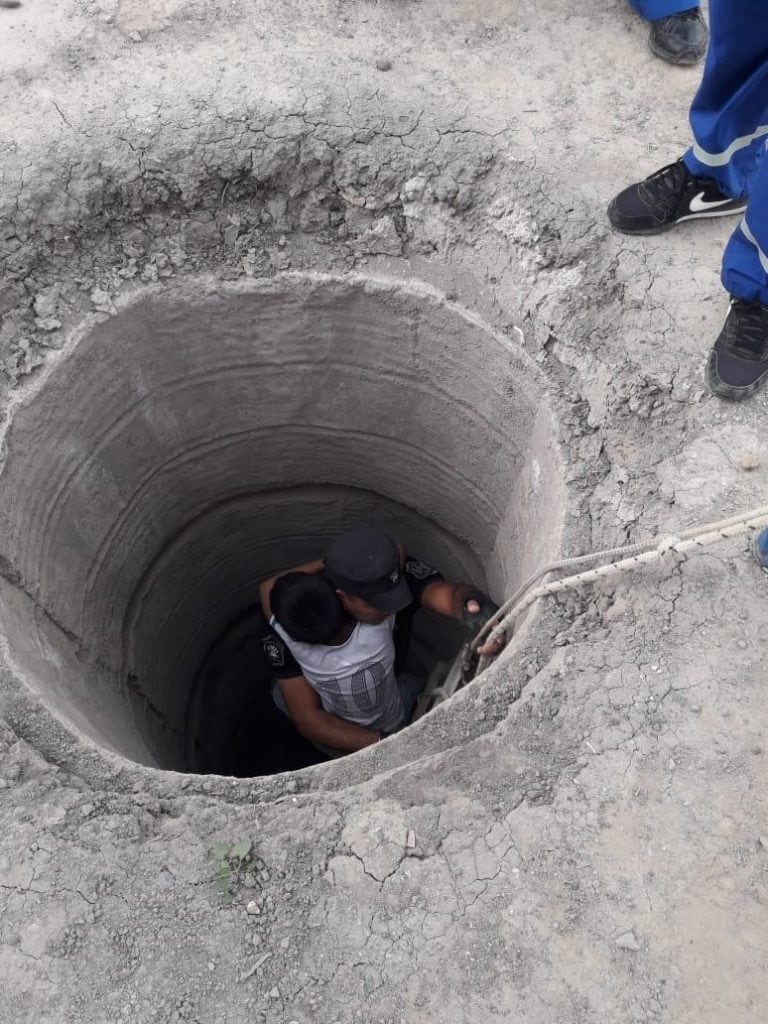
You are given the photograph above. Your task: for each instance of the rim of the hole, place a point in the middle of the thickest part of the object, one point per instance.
(132, 294)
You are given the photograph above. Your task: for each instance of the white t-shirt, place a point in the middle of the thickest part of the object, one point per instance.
(354, 680)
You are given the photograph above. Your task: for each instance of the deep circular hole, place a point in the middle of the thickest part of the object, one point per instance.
(209, 435)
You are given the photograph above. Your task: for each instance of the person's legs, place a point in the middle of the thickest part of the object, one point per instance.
(738, 363)
(745, 260)
(729, 114)
(410, 688)
(726, 164)
(729, 119)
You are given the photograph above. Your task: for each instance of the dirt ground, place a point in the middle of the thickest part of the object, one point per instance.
(594, 850)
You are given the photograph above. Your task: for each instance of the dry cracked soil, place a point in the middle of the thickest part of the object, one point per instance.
(581, 834)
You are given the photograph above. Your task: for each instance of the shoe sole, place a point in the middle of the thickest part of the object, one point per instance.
(723, 390)
(668, 58)
(707, 215)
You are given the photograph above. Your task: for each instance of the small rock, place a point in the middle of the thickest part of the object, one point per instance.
(102, 301)
(274, 993)
(383, 64)
(280, 261)
(135, 37)
(414, 187)
(292, 785)
(253, 907)
(763, 841)
(46, 302)
(748, 462)
(47, 323)
(410, 839)
(86, 810)
(629, 942)
(671, 764)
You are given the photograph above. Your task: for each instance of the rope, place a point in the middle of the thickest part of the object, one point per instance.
(633, 555)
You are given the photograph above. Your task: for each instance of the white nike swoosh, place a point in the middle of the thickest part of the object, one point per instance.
(699, 205)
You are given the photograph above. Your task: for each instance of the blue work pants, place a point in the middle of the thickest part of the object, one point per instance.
(729, 118)
(654, 9)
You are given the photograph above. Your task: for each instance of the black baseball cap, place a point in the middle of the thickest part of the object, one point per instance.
(365, 562)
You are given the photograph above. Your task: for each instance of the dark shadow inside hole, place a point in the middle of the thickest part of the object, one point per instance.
(233, 726)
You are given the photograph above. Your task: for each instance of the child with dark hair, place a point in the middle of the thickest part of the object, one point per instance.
(308, 609)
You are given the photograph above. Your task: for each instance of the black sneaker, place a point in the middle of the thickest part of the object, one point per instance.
(738, 363)
(680, 38)
(668, 197)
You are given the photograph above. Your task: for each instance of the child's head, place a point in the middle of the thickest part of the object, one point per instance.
(307, 607)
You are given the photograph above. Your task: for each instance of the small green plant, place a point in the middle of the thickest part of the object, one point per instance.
(233, 863)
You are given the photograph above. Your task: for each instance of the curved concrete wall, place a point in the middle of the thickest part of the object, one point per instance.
(209, 434)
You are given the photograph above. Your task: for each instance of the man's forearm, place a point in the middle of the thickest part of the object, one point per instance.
(332, 731)
(467, 604)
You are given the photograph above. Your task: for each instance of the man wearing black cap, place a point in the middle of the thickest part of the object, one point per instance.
(331, 641)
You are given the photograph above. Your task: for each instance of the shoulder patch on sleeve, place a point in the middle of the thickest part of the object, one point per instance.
(419, 570)
(274, 651)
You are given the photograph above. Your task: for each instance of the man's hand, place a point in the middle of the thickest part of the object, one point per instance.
(487, 649)
(477, 614)
(466, 603)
